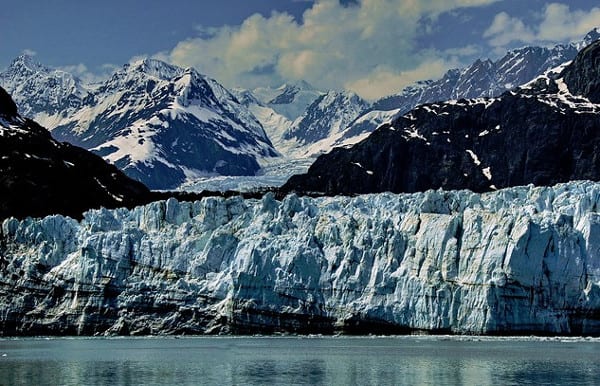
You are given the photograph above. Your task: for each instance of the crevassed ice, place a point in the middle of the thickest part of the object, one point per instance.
(519, 259)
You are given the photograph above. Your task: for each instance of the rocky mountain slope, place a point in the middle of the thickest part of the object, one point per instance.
(519, 261)
(326, 117)
(41, 92)
(487, 78)
(483, 78)
(159, 123)
(542, 133)
(41, 176)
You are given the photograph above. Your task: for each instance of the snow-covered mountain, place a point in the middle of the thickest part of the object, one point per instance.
(42, 92)
(522, 260)
(289, 100)
(41, 176)
(487, 78)
(159, 123)
(545, 132)
(274, 123)
(483, 78)
(318, 129)
(328, 115)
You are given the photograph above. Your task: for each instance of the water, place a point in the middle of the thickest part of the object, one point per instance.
(300, 361)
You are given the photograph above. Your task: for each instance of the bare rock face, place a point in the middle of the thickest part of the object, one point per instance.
(521, 260)
(583, 77)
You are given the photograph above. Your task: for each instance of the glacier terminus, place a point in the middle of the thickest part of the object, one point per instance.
(518, 260)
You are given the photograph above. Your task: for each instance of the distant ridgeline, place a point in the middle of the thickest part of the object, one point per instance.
(545, 132)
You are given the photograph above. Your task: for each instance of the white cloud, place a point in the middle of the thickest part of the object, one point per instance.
(557, 23)
(386, 82)
(369, 46)
(560, 23)
(29, 52)
(506, 29)
(82, 72)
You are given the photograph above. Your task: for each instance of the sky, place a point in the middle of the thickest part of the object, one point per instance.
(372, 47)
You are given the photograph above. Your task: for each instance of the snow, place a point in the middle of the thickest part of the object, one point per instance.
(136, 145)
(414, 133)
(118, 198)
(474, 157)
(514, 64)
(562, 86)
(565, 100)
(487, 172)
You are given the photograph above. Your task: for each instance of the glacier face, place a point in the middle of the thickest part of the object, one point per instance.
(519, 260)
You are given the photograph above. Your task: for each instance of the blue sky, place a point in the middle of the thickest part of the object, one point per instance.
(373, 47)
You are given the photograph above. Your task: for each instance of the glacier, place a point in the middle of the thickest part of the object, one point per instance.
(522, 260)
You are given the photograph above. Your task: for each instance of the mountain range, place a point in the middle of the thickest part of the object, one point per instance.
(160, 124)
(488, 257)
(41, 176)
(342, 119)
(164, 125)
(541, 133)
(483, 78)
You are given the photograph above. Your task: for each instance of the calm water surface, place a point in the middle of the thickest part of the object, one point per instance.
(300, 361)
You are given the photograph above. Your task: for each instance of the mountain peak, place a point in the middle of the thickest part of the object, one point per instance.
(27, 62)
(155, 68)
(592, 36)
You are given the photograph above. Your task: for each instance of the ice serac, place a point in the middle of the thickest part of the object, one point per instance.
(521, 260)
(544, 132)
(159, 123)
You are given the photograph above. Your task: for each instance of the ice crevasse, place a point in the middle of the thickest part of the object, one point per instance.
(518, 260)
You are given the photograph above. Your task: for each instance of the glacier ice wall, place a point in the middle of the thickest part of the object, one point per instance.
(520, 260)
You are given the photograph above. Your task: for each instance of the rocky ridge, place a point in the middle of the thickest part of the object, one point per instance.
(540, 133)
(483, 78)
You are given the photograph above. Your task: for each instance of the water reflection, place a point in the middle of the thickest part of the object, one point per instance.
(297, 361)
